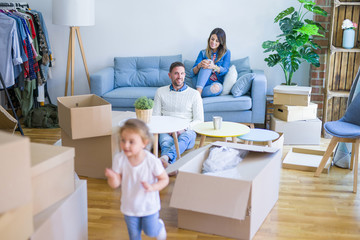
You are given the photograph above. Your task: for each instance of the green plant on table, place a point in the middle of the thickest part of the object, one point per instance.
(296, 43)
(144, 103)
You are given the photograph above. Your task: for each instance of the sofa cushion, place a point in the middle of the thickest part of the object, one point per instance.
(229, 80)
(227, 103)
(242, 65)
(189, 77)
(243, 84)
(125, 97)
(143, 71)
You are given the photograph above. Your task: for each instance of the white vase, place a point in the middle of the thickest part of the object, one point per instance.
(348, 38)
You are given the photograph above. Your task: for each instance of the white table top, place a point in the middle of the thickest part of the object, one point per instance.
(228, 129)
(160, 124)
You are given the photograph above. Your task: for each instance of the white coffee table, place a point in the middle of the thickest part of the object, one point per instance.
(164, 124)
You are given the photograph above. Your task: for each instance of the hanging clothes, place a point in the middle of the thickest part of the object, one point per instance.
(10, 49)
(24, 36)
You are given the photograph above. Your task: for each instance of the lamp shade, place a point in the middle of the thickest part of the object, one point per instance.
(73, 12)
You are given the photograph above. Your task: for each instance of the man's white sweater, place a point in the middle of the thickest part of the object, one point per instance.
(185, 104)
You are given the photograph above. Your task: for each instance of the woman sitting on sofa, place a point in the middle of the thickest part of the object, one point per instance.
(212, 64)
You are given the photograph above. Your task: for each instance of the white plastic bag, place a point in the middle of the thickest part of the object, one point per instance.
(222, 158)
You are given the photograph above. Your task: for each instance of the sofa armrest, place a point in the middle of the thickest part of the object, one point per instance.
(258, 95)
(102, 81)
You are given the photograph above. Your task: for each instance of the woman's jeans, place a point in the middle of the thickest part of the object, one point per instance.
(204, 82)
(186, 141)
(150, 224)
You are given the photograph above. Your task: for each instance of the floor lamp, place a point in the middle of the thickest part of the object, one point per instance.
(74, 13)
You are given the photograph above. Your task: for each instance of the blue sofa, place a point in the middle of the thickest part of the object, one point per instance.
(133, 77)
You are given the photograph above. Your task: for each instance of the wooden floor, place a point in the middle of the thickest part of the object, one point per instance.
(308, 207)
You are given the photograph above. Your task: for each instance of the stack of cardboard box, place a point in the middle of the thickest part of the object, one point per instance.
(39, 191)
(85, 122)
(295, 116)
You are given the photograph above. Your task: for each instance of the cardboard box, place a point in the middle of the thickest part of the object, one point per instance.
(292, 95)
(230, 207)
(298, 132)
(84, 116)
(17, 224)
(15, 171)
(305, 160)
(66, 219)
(92, 155)
(52, 170)
(295, 113)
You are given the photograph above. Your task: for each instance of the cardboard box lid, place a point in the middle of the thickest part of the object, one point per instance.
(295, 108)
(297, 90)
(232, 194)
(45, 157)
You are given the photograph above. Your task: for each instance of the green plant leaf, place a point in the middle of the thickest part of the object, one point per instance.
(310, 56)
(272, 60)
(309, 29)
(291, 63)
(284, 14)
(144, 103)
(286, 25)
(321, 28)
(307, 2)
(314, 45)
(320, 11)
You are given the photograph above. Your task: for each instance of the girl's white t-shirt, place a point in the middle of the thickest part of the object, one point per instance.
(135, 201)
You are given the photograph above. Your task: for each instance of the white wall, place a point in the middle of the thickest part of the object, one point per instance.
(166, 27)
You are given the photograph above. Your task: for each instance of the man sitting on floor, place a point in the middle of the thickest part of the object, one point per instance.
(178, 100)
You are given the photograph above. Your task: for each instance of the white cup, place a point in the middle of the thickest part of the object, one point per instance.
(217, 120)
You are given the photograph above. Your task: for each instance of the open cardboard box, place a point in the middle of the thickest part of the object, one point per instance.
(84, 116)
(15, 171)
(230, 207)
(305, 159)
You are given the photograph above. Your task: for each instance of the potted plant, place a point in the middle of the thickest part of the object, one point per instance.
(296, 43)
(143, 108)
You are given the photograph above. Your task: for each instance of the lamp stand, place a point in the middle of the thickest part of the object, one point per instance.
(71, 59)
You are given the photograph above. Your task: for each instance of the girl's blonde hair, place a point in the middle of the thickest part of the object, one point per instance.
(138, 127)
(220, 33)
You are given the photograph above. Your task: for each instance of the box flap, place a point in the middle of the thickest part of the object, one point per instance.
(44, 157)
(298, 90)
(207, 193)
(294, 108)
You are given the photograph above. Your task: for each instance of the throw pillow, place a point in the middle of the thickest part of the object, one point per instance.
(229, 80)
(242, 85)
(189, 74)
(242, 66)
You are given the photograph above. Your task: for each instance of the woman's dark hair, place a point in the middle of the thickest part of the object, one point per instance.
(220, 33)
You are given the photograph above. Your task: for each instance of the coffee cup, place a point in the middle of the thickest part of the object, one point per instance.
(217, 120)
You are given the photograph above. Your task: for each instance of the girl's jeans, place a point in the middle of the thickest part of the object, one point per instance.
(186, 141)
(205, 83)
(150, 224)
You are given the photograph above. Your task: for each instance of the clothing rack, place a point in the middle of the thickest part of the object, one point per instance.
(14, 5)
(12, 106)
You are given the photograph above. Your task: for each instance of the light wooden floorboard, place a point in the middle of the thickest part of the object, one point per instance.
(308, 207)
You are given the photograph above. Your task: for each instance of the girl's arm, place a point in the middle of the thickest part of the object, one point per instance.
(113, 178)
(224, 67)
(163, 181)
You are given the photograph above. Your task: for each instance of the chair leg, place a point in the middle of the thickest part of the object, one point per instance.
(352, 156)
(356, 153)
(326, 156)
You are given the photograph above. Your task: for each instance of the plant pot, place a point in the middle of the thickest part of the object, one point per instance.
(291, 84)
(144, 115)
(348, 38)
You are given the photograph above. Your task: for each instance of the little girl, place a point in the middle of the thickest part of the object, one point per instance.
(141, 176)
